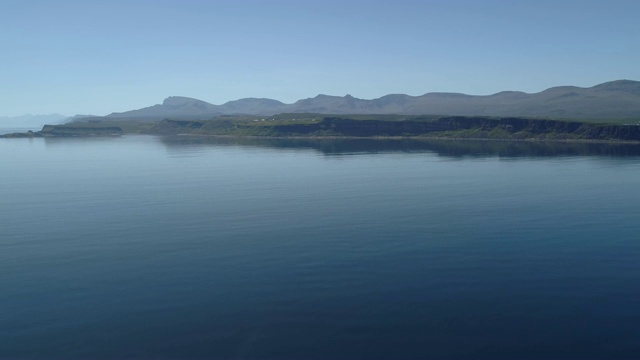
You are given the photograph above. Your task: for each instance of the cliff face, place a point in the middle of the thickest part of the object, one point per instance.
(66, 130)
(610, 132)
(503, 128)
(176, 126)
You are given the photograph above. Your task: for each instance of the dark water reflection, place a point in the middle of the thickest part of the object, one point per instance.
(445, 148)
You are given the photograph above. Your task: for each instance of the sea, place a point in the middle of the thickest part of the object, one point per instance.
(229, 248)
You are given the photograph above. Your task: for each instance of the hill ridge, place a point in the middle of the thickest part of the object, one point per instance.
(619, 99)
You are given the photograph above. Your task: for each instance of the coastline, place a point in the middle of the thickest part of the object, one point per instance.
(452, 128)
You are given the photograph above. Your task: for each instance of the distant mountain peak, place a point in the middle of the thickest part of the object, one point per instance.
(173, 101)
(620, 85)
(510, 94)
(623, 82)
(173, 106)
(253, 100)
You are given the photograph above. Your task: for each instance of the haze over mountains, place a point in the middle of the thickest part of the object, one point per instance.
(29, 120)
(612, 100)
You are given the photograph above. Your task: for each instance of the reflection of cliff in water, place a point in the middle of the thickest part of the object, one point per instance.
(446, 148)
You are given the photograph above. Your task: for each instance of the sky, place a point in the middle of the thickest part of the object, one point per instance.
(97, 57)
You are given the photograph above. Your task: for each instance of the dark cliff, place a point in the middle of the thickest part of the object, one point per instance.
(69, 130)
(478, 127)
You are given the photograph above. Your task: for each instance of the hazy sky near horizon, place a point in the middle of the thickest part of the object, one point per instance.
(97, 57)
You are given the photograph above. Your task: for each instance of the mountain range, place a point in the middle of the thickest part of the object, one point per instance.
(618, 100)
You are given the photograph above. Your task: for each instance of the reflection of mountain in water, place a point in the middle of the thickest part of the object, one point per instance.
(446, 148)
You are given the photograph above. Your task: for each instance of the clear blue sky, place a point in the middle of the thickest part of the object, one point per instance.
(103, 56)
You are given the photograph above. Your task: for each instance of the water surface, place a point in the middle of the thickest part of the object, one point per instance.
(227, 248)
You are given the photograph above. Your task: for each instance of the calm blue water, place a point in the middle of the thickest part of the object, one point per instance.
(145, 247)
